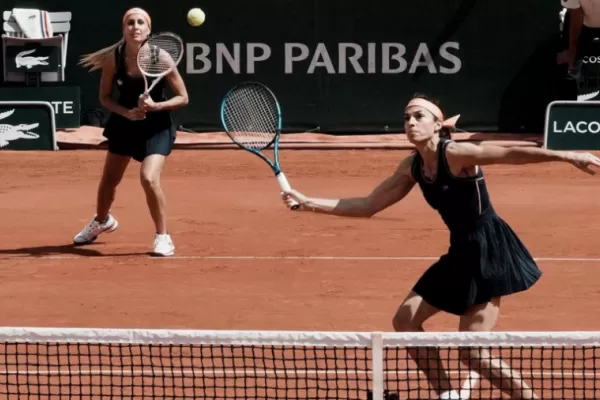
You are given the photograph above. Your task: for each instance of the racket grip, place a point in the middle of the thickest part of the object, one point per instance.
(285, 186)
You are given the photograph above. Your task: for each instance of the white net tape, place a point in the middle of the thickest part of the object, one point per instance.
(58, 363)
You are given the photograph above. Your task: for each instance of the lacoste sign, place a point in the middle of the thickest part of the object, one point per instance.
(572, 125)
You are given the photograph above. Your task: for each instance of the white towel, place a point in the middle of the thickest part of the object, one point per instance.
(34, 23)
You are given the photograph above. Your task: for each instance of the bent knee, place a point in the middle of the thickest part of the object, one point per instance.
(412, 314)
(150, 181)
(404, 321)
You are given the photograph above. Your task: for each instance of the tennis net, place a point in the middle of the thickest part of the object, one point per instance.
(59, 363)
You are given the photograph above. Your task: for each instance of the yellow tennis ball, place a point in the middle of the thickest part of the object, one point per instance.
(196, 17)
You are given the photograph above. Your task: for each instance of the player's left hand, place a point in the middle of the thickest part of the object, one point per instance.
(146, 103)
(584, 161)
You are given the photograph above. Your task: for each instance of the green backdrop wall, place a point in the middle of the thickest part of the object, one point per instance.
(346, 65)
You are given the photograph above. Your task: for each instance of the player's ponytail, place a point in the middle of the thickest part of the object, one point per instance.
(95, 60)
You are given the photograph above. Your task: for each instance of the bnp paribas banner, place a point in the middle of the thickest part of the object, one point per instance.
(343, 58)
(349, 65)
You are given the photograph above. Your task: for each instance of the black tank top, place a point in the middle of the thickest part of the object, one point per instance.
(131, 87)
(461, 202)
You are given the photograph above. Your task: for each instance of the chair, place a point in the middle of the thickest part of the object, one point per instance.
(13, 36)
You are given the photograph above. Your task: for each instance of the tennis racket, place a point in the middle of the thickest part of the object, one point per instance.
(251, 117)
(158, 55)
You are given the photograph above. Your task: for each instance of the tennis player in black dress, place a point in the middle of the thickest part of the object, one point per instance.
(485, 261)
(139, 127)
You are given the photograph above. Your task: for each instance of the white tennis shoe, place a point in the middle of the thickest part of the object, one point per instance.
(163, 245)
(94, 228)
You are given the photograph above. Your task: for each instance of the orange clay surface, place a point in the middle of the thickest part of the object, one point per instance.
(244, 261)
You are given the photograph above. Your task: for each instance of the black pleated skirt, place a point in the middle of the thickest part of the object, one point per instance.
(486, 262)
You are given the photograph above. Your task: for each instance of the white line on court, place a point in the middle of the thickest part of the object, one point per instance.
(281, 258)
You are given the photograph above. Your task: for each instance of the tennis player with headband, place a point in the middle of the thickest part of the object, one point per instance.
(139, 127)
(485, 261)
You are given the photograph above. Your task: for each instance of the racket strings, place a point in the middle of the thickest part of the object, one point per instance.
(159, 54)
(251, 117)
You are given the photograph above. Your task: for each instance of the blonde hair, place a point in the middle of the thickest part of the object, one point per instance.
(96, 60)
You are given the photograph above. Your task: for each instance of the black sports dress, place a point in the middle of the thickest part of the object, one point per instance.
(486, 259)
(138, 139)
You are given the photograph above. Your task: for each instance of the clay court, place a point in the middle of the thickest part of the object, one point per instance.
(260, 302)
(244, 261)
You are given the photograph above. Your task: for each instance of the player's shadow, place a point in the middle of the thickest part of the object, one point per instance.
(44, 251)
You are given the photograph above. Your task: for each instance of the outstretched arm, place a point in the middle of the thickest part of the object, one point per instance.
(467, 154)
(388, 192)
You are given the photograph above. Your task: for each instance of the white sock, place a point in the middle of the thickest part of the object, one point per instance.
(450, 395)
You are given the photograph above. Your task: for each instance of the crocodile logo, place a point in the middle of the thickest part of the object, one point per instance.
(8, 133)
(23, 59)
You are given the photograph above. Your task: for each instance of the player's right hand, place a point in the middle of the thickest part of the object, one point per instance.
(294, 197)
(584, 161)
(136, 114)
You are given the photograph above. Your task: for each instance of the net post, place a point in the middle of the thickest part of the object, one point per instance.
(377, 365)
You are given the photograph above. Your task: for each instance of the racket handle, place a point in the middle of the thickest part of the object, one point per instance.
(285, 186)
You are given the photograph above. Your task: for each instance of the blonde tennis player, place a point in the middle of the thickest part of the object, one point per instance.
(139, 127)
(486, 260)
